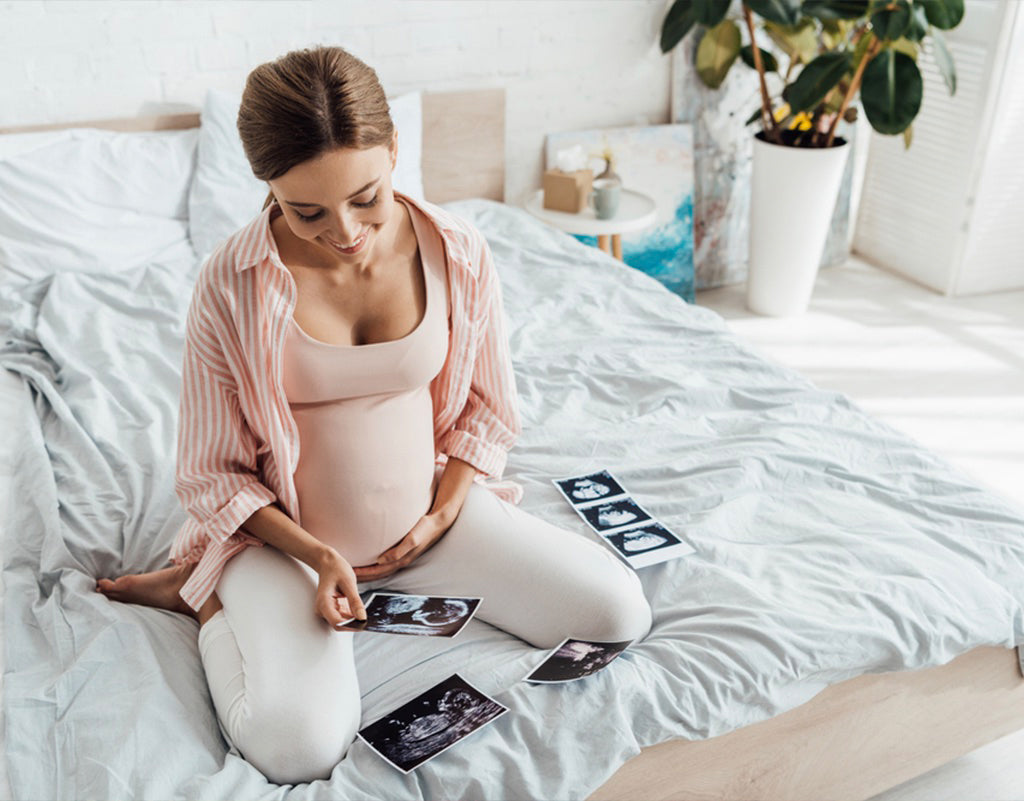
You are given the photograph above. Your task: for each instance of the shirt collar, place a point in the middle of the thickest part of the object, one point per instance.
(263, 246)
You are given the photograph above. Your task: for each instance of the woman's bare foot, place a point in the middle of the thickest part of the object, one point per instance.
(159, 588)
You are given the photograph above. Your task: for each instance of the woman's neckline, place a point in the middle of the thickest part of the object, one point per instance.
(426, 306)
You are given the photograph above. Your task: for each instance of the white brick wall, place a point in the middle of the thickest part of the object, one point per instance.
(564, 64)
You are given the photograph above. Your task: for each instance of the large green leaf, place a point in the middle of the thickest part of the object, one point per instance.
(680, 18)
(944, 60)
(835, 9)
(918, 27)
(799, 42)
(904, 45)
(717, 51)
(767, 59)
(891, 91)
(817, 79)
(891, 23)
(784, 12)
(943, 14)
(710, 12)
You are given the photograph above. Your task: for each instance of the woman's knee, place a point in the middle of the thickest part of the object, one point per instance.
(290, 745)
(616, 611)
(283, 683)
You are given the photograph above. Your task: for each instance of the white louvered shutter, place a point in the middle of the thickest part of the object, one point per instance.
(949, 212)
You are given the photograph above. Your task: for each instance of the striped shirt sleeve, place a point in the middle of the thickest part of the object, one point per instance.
(216, 478)
(489, 423)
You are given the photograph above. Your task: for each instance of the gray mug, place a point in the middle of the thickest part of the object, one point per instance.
(604, 198)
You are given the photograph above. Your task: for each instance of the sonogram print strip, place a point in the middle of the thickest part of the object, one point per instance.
(629, 529)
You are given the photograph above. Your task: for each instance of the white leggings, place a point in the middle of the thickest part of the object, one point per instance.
(284, 682)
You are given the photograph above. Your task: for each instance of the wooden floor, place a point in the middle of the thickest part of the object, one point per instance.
(947, 371)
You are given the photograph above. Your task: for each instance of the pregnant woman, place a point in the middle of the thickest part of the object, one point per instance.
(347, 388)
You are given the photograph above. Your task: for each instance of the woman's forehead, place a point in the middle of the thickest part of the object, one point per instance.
(335, 175)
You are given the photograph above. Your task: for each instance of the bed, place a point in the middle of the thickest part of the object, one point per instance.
(848, 620)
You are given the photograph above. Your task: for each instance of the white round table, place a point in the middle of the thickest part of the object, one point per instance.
(636, 211)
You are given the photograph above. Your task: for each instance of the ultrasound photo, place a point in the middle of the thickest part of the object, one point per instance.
(431, 723)
(648, 544)
(587, 489)
(576, 659)
(422, 615)
(605, 516)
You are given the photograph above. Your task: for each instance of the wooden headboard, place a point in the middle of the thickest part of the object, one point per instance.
(463, 141)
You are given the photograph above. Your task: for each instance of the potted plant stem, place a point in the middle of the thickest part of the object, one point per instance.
(836, 51)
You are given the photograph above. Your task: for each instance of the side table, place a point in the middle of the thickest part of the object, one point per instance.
(636, 211)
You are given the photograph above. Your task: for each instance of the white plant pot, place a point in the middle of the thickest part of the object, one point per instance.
(793, 196)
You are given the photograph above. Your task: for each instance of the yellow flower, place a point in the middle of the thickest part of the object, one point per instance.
(803, 120)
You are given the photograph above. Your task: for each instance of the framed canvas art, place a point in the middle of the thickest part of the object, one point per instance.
(656, 160)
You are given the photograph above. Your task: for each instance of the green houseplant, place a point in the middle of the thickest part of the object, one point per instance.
(837, 53)
(835, 47)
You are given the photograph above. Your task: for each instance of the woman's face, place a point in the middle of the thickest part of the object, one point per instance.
(343, 197)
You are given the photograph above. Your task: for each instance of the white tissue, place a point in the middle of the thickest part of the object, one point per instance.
(570, 159)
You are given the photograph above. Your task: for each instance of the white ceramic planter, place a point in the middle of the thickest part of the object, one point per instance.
(793, 196)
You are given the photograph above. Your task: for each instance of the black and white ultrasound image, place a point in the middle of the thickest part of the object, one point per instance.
(576, 659)
(605, 516)
(422, 615)
(431, 723)
(642, 539)
(590, 488)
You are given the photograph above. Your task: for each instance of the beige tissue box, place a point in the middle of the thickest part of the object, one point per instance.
(567, 191)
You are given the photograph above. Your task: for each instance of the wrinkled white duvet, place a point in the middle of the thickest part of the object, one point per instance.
(827, 544)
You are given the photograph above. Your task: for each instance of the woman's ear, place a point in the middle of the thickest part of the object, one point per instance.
(394, 149)
(270, 197)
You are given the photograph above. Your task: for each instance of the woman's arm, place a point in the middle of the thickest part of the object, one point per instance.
(217, 477)
(489, 423)
(337, 596)
(452, 488)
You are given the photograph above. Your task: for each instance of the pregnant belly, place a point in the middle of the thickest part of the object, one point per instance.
(366, 470)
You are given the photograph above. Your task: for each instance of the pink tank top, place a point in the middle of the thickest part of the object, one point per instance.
(366, 422)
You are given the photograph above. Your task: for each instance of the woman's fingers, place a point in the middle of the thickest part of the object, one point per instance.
(355, 605)
(337, 595)
(329, 610)
(336, 606)
(377, 571)
(404, 546)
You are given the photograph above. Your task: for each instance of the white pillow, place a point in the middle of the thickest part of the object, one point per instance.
(225, 195)
(90, 200)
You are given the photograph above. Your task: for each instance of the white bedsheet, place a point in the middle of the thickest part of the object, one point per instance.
(13, 401)
(827, 544)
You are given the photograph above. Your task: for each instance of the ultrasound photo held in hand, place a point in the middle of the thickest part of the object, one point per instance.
(422, 615)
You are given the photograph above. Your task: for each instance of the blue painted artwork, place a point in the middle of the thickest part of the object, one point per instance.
(656, 160)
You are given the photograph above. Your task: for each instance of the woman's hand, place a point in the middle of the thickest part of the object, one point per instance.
(428, 530)
(337, 598)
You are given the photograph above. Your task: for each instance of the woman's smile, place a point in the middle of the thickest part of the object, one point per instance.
(354, 248)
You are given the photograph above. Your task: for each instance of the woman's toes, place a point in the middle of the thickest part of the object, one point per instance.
(114, 586)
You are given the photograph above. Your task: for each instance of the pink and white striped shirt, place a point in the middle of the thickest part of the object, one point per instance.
(238, 444)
